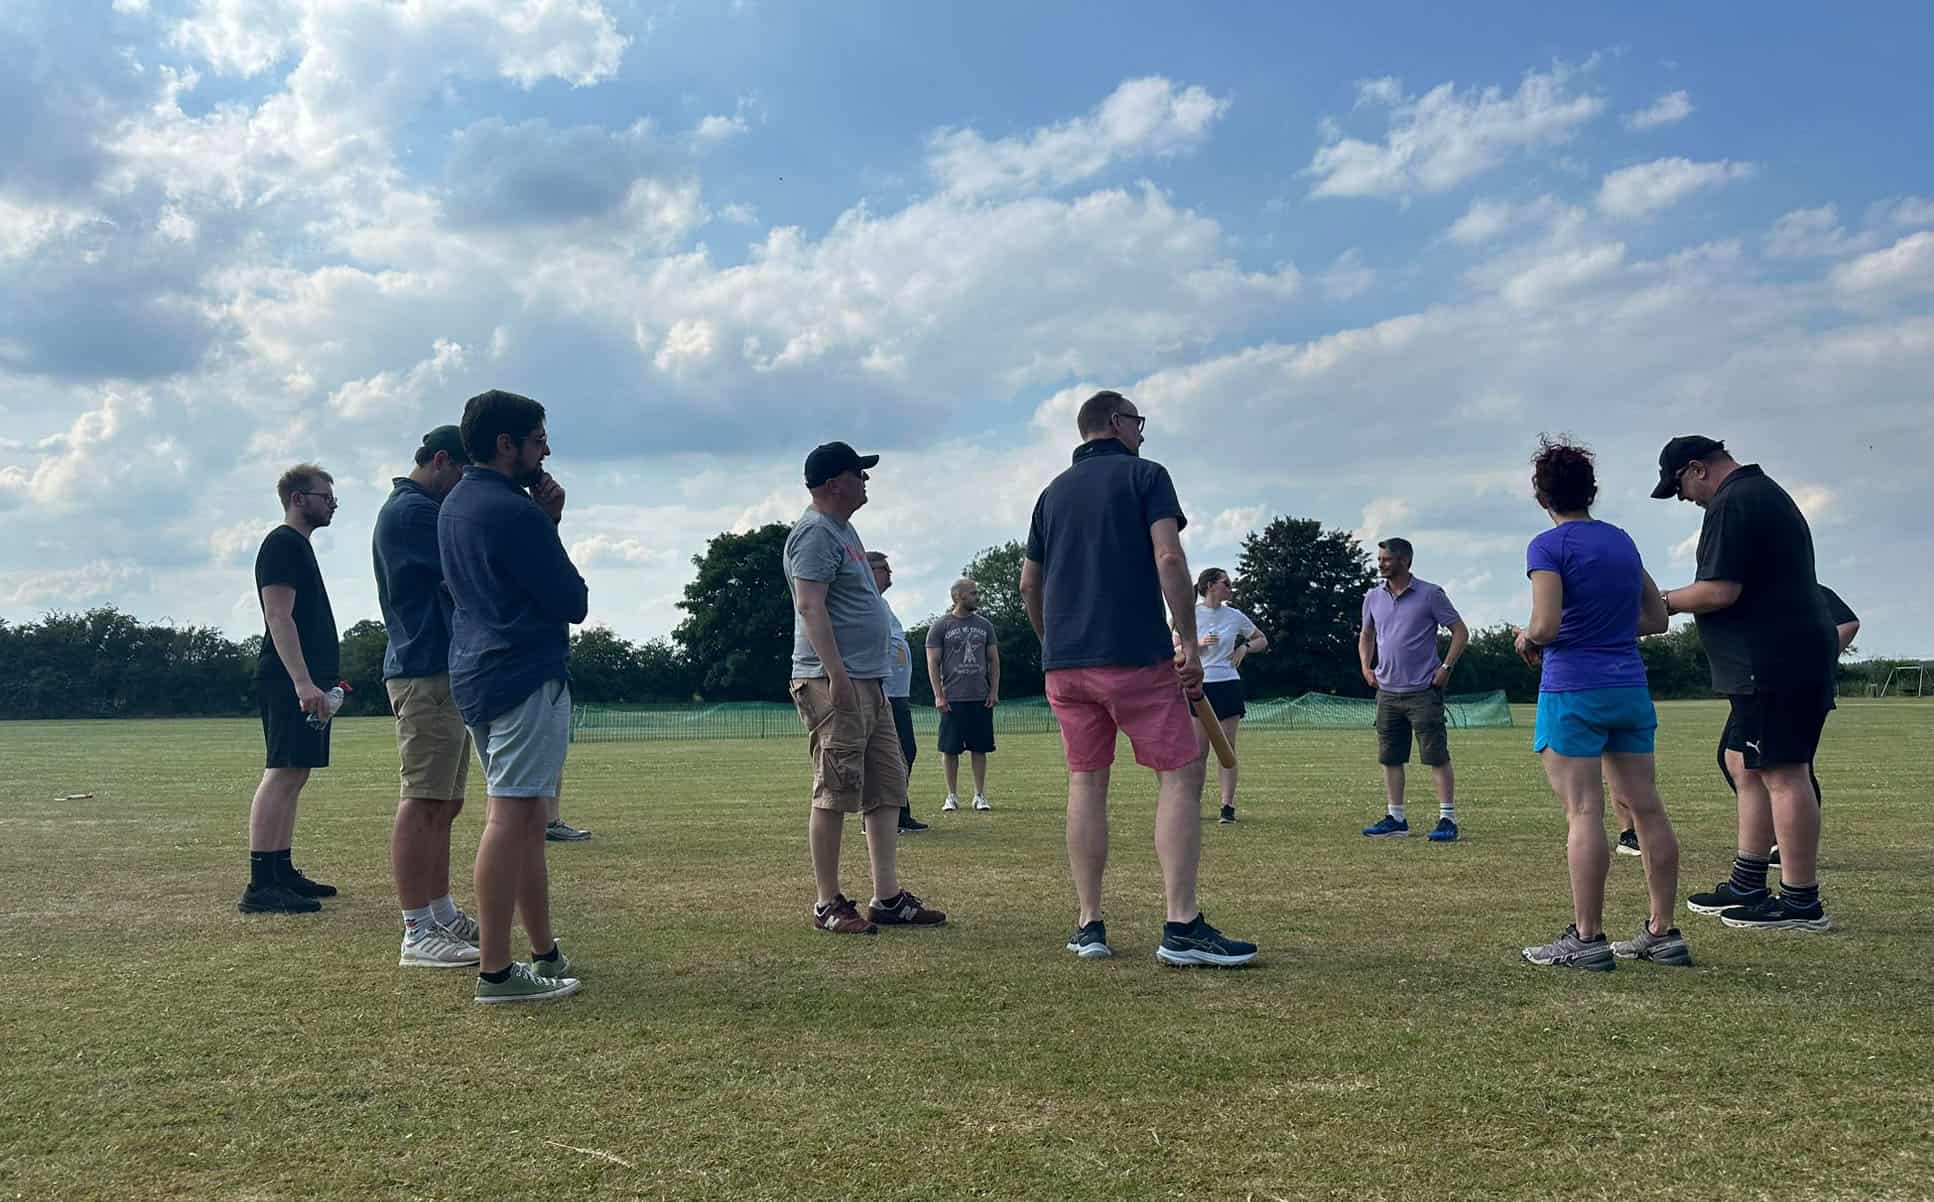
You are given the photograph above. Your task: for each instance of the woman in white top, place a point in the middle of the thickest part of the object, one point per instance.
(1226, 637)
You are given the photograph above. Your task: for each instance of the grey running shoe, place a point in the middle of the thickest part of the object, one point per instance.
(436, 947)
(464, 927)
(523, 985)
(561, 831)
(1572, 950)
(1669, 948)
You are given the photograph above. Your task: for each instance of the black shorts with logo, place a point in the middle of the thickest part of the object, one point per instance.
(966, 726)
(1772, 727)
(292, 742)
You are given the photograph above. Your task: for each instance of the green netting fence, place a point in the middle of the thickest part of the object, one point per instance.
(767, 720)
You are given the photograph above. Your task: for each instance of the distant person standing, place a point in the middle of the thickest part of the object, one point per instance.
(1769, 638)
(1398, 652)
(899, 685)
(299, 661)
(431, 739)
(1104, 557)
(964, 668)
(840, 644)
(515, 595)
(1227, 637)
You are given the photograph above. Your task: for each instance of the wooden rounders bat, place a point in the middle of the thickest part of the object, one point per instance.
(1212, 726)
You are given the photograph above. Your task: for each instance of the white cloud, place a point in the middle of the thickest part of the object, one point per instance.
(717, 128)
(1811, 233)
(1489, 219)
(1905, 267)
(1906, 212)
(1446, 136)
(1141, 118)
(99, 580)
(1347, 277)
(1669, 109)
(1645, 188)
(400, 393)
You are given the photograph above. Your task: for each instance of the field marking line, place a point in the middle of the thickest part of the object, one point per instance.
(619, 1160)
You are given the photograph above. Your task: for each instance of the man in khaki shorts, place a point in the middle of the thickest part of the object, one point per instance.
(841, 632)
(430, 735)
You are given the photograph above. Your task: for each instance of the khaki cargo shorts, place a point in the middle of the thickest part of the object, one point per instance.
(858, 766)
(430, 736)
(1398, 714)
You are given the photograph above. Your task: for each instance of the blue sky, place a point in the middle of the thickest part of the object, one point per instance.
(1350, 263)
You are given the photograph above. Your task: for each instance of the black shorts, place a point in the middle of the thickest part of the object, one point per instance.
(966, 726)
(1225, 698)
(292, 742)
(903, 726)
(1777, 726)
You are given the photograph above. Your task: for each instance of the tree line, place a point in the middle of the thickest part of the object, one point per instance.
(1302, 584)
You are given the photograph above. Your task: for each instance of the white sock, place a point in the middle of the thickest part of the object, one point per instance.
(444, 909)
(1447, 809)
(416, 922)
(1396, 810)
(953, 797)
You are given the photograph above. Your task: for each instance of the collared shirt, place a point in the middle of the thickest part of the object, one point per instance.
(409, 583)
(1101, 597)
(1779, 634)
(1406, 625)
(514, 591)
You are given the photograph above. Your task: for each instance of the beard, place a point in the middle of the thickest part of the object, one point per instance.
(529, 478)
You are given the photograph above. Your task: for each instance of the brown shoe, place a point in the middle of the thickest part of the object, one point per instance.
(842, 917)
(905, 910)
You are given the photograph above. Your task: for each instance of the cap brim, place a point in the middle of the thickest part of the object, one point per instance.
(869, 460)
(1667, 488)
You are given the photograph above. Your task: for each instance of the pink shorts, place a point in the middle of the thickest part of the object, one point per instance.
(1093, 703)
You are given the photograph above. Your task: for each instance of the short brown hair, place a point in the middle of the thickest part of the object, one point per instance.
(298, 479)
(876, 558)
(1208, 577)
(1097, 411)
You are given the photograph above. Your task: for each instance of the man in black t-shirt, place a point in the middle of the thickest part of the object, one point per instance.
(1770, 642)
(300, 660)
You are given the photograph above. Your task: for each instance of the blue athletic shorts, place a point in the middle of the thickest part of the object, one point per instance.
(1591, 722)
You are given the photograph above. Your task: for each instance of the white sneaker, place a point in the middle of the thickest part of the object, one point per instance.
(435, 947)
(980, 803)
(464, 927)
(950, 805)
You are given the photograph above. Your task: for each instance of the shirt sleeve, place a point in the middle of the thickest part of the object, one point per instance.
(1159, 500)
(1037, 541)
(1366, 623)
(1838, 608)
(1442, 610)
(1724, 542)
(937, 635)
(1249, 629)
(279, 562)
(1540, 556)
(547, 571)
(816, 555)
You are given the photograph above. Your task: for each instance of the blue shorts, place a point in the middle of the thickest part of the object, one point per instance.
(1591, 722)
(522, 750)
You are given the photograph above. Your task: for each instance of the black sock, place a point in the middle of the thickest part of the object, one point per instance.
(262, 868)
(1179, 928)
(1800, 897)
(1749, 872)
(495, 978)
(550, 955)
(887, 903)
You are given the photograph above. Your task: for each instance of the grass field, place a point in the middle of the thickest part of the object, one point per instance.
(1390, 1045)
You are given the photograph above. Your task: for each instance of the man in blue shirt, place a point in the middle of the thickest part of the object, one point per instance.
(515, 595)
(431, 739)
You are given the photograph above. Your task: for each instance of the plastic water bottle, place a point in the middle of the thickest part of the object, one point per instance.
(331, 702)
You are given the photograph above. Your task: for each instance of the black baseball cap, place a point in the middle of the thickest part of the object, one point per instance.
(829, 459)
(1673, 459)
(447, 439)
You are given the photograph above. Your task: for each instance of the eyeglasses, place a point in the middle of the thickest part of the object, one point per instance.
(1138, 419)
(1679, 481)
(327, 496)
(856, 473)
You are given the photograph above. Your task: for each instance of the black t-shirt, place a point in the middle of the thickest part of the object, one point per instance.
(1778, 635)
(287, 558)
(1838, 611)
(1101, 598)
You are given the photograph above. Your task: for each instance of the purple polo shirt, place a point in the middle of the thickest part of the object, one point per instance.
(1406, 629)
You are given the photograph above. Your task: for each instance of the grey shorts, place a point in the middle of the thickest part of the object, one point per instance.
(1398, 714)
(522, 750)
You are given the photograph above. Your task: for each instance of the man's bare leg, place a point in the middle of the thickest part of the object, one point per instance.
(271, 814)
(1178, 836)
(503, 860)
(1088, 839)
(823, 830)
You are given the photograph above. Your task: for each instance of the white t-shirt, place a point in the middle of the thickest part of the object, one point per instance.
(1226, 622)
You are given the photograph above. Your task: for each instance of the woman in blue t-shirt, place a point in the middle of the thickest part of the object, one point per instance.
(1591, 599)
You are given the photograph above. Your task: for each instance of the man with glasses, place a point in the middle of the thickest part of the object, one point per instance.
(1104, 557)
(1770, 640)
(841, 643)
(299, 661)
(515, 595)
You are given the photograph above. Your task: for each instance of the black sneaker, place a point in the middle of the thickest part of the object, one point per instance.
(1091, 942)
(1196, 942)
(275, 899)
(1775, 913)
(910, 825)
(302, 886)
(1773, 857)
(1228, 815)
(1628, 843)
(1726, 897)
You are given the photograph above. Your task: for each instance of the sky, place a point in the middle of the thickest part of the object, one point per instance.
(1349, 264)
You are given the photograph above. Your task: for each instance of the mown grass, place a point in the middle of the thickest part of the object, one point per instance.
(159, 1045)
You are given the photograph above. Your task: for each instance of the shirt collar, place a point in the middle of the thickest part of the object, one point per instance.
(1745, 469)
(405, 484)
(1100, 446)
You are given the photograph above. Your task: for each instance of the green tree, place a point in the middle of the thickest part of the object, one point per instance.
(998, 572)
(363, 648)
(1303, 585)
(737, 635)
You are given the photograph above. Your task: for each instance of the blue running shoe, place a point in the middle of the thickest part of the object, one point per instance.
(1444, 832)
(1386, 827)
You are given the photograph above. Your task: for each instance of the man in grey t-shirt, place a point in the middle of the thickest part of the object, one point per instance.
(841, 635)
(964, 667)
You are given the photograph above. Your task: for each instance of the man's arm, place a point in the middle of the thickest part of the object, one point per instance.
(1366, 651)
(546, 570)
(809, 601)
(993, 673)
(1460, 638)
(1172, 568)
(278, 606)
(1846, 631)
(1702, 597)
(1031, 595)
(934, 677)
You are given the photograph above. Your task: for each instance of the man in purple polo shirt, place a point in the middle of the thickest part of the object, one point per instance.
(1398, 650)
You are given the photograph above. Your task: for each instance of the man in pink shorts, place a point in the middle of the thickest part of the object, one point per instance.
(1104, 553)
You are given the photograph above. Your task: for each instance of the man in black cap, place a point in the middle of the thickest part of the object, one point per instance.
(431, 739)
(1770, 640)
(841, 638)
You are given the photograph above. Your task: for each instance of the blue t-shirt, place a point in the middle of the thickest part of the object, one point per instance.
(1598, 636)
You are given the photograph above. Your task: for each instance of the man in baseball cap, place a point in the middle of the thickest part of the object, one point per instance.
(829, 460)
(1678, 455)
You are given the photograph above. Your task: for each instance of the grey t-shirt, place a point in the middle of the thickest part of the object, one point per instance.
(962, 643)
(827, 550)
